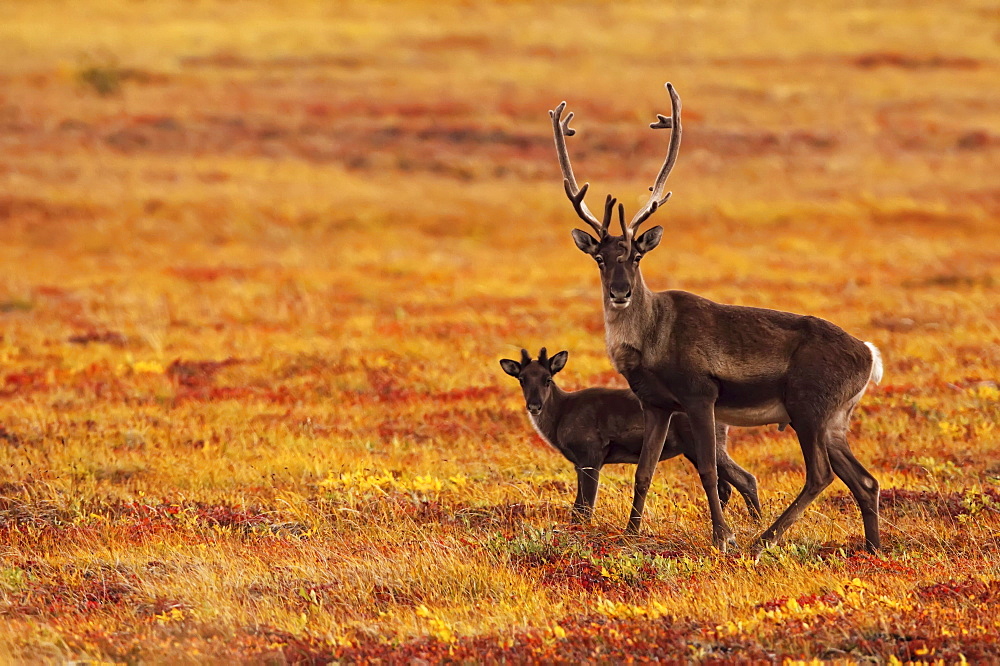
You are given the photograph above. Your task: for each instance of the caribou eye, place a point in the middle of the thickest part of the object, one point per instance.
(637, 258)
(599, 260)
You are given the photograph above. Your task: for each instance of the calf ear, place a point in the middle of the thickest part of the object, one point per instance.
(649, 240)
(558, 362)
(512, 368)
(585, 242)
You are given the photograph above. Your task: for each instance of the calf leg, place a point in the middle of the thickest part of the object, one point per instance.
(725, 491)
(577, 513)
(587, 481)
(744, 482)
(731, 472)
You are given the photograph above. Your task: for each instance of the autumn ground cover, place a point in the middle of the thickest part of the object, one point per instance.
(259, 264)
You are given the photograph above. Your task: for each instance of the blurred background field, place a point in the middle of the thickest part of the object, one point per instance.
(259, 263)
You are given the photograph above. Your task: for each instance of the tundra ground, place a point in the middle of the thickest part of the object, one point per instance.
(259, 265)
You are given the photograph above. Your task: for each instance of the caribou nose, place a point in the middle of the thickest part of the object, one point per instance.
(620, 297)
(534, 408)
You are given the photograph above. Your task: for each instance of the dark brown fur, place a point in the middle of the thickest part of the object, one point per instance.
(601, 426)
(738, 365)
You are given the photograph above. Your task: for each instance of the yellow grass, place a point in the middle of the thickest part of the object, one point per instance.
(359, 206)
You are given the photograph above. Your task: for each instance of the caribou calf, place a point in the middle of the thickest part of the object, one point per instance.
(600, 426)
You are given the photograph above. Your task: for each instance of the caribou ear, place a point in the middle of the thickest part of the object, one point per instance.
(558, 362)
(585, 242)
(512, 368)
(649, 240)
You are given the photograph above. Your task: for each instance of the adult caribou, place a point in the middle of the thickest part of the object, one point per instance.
(741, 365)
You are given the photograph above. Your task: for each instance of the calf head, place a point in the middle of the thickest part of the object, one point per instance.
(535, 377)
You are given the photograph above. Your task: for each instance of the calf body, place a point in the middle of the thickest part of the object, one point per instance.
(600, 426)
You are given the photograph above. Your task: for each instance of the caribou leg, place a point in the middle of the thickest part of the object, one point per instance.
(861, 483)
(656, 422)
(702, 420)
(819, 475)
(744, 482)
(587, 481)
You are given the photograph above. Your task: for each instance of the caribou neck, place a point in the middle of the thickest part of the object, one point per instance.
(547, 422)
(625, 329)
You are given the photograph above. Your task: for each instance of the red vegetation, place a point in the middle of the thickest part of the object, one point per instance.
(829, 598)
(197, 374)
(112, 338)
(320, 192)
(33, 380)
(968, 590)
(208, 273)
(863, 562)
(905, 61)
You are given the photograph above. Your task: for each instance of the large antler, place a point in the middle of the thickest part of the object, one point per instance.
(561, 130)
(657, 198)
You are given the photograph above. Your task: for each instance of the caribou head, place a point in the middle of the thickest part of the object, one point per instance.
(535, 377)
(618, 257)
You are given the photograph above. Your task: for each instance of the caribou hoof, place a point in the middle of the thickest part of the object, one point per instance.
(758, 549)
(724, 542)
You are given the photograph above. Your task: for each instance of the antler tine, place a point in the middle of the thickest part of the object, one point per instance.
(657, 198)
(625, 242)
(525, 358)
(648, 211)
(561, 130)
(581, 208)
(609, 207)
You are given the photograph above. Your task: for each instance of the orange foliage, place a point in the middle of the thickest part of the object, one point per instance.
(260, 262)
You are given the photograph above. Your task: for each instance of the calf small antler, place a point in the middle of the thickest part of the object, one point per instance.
(561, 130)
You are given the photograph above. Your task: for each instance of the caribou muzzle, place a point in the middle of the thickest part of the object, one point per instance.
(619, 301)
(619, 290)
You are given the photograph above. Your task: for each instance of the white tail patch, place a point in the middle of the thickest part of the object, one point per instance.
(876, 375)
